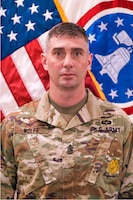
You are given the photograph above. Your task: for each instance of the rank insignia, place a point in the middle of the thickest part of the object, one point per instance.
(70, 149)
(113, 167)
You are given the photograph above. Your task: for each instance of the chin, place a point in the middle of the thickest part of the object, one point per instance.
(68, 86)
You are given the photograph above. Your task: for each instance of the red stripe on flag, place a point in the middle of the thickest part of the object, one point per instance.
(14, 81)
(90, 84)
(34, 51)
(1, 115)
(103, 6)
(129, 110)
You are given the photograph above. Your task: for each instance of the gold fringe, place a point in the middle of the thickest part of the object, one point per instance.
(61, 11)
(102, 96)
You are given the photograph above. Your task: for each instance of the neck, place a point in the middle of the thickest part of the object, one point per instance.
(67, 97)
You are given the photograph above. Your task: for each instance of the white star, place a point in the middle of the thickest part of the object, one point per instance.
(30, 26)
(33, 8)
(1, 27)
(102, 26)
(91, 38)
(16, 19)
(129, 93)
(119, 22)
(12, 36)
(19, 3)
(101, 86)
(47, 15)
(113, 94)
(2, 12)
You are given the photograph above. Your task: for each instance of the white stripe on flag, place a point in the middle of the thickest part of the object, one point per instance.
(42, 40)
(7, 101)
(28, 73)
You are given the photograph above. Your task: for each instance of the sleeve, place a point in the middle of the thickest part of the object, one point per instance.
(8, 167)
(126, 191)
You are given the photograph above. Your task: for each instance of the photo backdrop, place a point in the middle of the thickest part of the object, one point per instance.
(24, 27)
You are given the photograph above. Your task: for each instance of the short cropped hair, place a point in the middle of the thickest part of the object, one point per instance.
(69, 29)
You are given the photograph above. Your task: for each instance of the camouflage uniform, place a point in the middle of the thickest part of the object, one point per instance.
(46, 158)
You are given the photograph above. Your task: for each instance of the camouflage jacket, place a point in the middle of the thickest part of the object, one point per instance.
(43, 157)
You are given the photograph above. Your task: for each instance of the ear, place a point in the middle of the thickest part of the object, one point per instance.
(44, 60)
(90, 56)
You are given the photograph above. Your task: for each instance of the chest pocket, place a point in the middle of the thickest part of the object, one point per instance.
(104, 170)
(98, 160)
(39, 156)
(36, 165)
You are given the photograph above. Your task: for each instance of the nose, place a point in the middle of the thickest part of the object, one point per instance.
(68, 61)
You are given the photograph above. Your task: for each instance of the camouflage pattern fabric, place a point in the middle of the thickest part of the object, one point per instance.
(44, 157)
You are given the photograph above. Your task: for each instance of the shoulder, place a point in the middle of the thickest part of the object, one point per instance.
(104, 108)
(26, 111)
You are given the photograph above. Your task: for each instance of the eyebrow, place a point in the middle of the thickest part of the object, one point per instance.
(73, 49)
(77, 48)
(57, 48)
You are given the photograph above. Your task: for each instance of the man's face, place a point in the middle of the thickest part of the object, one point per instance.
(67, 61)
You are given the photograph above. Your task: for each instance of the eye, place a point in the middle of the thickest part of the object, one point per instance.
(59, 53)
(77, 53)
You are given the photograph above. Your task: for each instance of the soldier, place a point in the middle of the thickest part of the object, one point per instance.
(70, 144)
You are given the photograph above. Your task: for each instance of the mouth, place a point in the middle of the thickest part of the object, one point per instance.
(68, 75)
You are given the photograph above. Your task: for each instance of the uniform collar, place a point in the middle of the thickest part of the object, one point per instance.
(47, 113)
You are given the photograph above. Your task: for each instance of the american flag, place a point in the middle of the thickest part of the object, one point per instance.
(24, 27)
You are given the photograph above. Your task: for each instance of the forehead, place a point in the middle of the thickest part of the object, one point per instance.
(67, 42)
